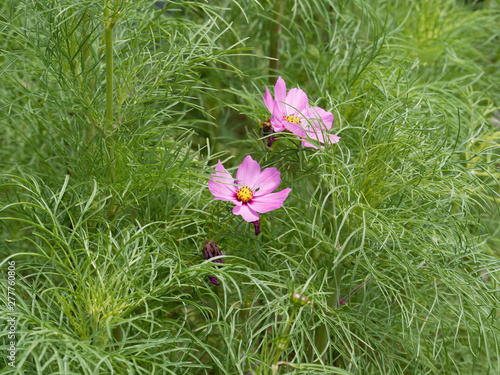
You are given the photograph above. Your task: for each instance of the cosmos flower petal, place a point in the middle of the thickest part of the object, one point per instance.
(248, 172)
(268, 181)
(307, 144)
(246, 212)
(296, 101)
(321, 118)
(277, 119)
(333, 138)
(320, 137)
(268, 100)
(280, 94)
(294, 128)
(221, 185)
(269, 202)
(221, 197)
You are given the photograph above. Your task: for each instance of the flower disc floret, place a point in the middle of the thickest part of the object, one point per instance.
(251, 192)
(244, 194)
(292, 118)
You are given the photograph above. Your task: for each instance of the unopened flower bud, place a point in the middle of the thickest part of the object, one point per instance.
(267, 130)
(213, 280)
(256, 224)
(212, 250)
(281, 344)
(298, 300)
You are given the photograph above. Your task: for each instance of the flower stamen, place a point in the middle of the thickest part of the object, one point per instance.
(244, 194)
(292, 118)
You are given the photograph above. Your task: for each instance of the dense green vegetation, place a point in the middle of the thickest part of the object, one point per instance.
(113, 116)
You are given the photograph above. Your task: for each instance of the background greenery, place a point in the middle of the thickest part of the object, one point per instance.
(106, 218)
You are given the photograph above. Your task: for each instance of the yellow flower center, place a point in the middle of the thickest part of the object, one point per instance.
(244, 194)
(292, 118)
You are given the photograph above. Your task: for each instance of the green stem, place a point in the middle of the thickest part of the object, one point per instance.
(225, 225)
(275, 31)
(109, 24)
(289, 323)
(96, 340)
(284, 334)
(323, 337)
(109, 75)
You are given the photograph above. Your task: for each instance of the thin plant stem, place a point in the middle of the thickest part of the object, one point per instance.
(224, 226)
(109, 24)
(274, 37)
(332, 302)
(285, 333)
(108, 37)
(343, 301)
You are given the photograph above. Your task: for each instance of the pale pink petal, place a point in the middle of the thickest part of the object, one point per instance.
(246, 212)
(277, 119)
(269, 202)
(296, 102)
(268, 100)
(307, 144)
(222, 184)
(248, 172)
(320, 137)
(220, 194)
(280, 93)
(321, 118)
(268, 181)
(294, 128)
(323, 137)
(333, 138)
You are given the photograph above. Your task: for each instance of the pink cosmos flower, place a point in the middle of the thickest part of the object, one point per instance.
(251, 192)
(292, 112)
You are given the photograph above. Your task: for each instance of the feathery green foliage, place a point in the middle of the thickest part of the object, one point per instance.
(392, 234)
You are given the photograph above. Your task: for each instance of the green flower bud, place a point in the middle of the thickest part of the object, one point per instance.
(298, 300)
(281, 344)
